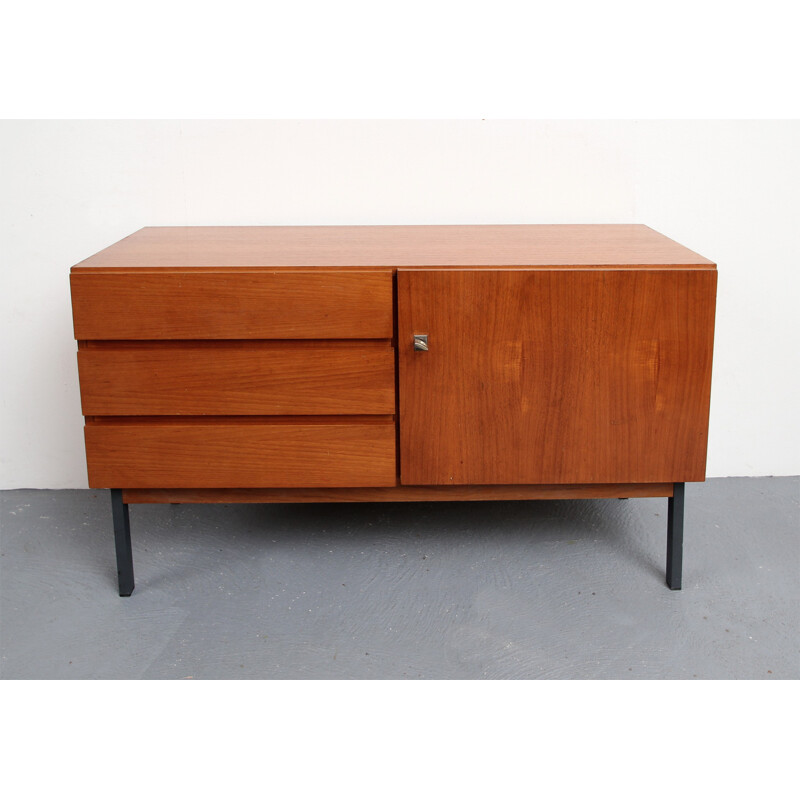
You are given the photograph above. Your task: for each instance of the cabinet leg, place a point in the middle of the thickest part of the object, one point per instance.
(122, 539)
(675, 536)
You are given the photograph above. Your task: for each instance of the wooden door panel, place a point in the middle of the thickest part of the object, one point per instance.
(555, 376)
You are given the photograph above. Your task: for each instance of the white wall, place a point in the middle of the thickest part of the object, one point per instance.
(728, 190)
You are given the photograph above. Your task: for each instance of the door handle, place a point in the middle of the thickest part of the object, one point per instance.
(421, 342)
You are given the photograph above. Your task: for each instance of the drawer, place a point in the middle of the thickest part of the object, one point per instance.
(243, 304)
(244, 452)
(237, 378)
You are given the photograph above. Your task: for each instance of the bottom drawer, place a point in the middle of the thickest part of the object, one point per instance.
(241, 453)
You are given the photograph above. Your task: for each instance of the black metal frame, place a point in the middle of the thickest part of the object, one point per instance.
(675, 536)
(122, 539)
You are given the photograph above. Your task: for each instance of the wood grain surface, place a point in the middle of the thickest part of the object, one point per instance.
(232, 452)
(396, 494)
(394, 246)
(238, 378)
(297, 304)
(555, 377)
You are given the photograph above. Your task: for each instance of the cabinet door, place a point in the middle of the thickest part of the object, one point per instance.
(554, 376)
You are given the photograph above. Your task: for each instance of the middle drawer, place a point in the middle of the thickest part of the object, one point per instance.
(237, 377)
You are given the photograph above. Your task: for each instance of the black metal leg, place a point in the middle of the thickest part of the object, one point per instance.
(122, 539)
(675, 536)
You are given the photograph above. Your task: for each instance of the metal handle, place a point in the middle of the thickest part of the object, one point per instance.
(421, 342)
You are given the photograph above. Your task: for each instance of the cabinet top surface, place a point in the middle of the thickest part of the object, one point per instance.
(396, 246)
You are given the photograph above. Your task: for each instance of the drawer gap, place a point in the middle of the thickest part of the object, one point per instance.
(242, 344)
(351, 419)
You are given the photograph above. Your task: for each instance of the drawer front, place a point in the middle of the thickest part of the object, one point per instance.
(256, 304)
(240, 453)
(242, 378)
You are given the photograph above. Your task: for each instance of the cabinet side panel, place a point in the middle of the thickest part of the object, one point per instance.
(555, 376)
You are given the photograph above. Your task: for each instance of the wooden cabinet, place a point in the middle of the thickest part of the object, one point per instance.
(394, 363)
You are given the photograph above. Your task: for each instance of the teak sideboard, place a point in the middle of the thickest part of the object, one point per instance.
(323, 364)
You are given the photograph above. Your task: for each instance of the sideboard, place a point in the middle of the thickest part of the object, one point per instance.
(371, 363)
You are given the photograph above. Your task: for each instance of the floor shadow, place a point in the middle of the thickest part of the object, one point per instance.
(617, 523)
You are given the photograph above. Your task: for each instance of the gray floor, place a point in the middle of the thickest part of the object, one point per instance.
(433, 590)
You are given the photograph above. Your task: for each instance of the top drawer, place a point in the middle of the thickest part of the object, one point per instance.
(232, 304)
